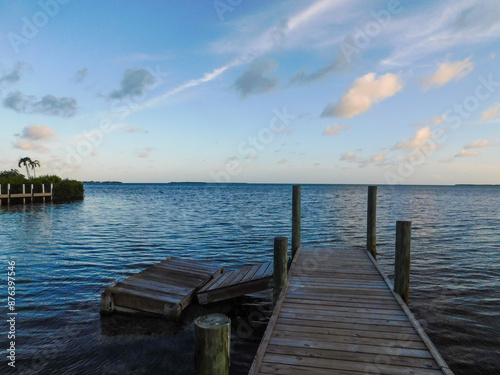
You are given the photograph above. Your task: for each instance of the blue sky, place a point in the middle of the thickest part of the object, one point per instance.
(338, 91)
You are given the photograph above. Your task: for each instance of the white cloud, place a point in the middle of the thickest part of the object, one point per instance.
(334, 130)
(363, 93)
(491, 112)
(379, 157)
(351, 157)
(448, 71)
(467, 153)
(438, 120)
(38, 132)
(481, 143)
(30, 146)
(421, 140)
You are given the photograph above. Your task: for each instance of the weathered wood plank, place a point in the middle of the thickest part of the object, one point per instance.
(338, 314)
(165, 288)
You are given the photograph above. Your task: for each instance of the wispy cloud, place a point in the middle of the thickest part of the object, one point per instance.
(421, 138)
(481, 143)
(438, 120)
(144, 153)
(334, 130)
(363, 93)
(447, 72)
(448, 25)
(491, 112)
(351, 157)
(255, 79)
(48, 105)
(80, 75)
(31, 146)
(303, 77)
(15, 74)
(467, 154)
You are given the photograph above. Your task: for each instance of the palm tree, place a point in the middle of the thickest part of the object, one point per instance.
(33, 164)
(25, 161)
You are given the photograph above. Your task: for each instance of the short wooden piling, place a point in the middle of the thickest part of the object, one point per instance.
(52, 192)
(402, 261)
(43, 191)
(24, 192)
(8, 194)
(371, 222)
(296, 219)
(33, 194)
(280, 266)
(212, 344)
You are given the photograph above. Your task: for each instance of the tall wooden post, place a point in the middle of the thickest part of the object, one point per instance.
(371, 222)
(43, 191)
(32, 194)
(296, 219)
(280, 266)
(52, 192)
(24, 192)
(0, 194)
(8, 194)
(212, 344)
(402, 262)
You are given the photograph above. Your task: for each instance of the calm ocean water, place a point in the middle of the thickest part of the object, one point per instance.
(66, 254)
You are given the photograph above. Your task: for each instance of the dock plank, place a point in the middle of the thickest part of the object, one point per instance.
(246, 280)
(338, 314)
(165, 288)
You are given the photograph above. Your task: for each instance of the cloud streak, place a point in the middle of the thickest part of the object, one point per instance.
(447, 72)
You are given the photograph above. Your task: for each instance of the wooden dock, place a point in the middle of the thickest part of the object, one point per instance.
(249, 279)
(164, 289)
(26, 196)
(339, 315)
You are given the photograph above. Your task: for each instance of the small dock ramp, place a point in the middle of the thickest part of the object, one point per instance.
(249, 279)
(165, 289)
(339, 315)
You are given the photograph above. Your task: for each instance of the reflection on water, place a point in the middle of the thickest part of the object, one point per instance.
(67, 254)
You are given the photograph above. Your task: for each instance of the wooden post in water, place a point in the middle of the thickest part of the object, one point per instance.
(212, 344)
(8, 194)
(402, 262)
(371, 222)
(296, 219)
(43, 191)
(52, 192)
(0, 194)
(32, 194)
(280, 266)
(24, 192)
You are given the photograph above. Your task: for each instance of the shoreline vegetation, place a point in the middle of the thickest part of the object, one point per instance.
(65, 190)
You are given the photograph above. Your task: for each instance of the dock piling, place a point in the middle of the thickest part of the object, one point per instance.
(296, 212)
(402, 261)
(43, 192)
(371, 222)
(280, 266)
(24, 192)
(212, 344)
(8, 194)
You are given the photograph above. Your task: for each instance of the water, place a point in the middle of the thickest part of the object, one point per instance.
(67, 254)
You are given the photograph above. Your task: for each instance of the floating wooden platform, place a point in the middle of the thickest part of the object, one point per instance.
(339, 315)
(164, 289)
(249, 279)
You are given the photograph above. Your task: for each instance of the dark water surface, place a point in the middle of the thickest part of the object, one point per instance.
(66, 254)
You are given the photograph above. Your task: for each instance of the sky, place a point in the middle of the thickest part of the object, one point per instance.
(325, 91)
